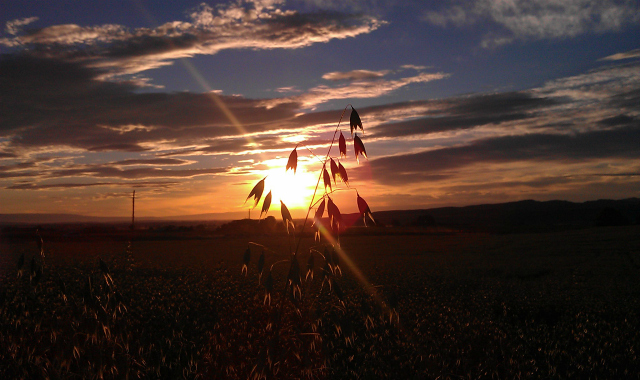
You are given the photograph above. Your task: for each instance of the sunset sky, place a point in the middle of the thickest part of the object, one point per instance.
(192, 103)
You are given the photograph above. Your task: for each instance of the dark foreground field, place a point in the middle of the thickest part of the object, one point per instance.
(554, 305)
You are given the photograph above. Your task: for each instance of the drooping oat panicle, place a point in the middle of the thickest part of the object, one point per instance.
(334, 170)
(286, 217)
(310, 265)
(328, 258)
(358, 147)
(294, 279)
(268, 288)
(326, 273)
(343, 174)
(354, 121)
(245, 261)
(261, 262)
(335, 217)
(256, 192)
(319, 213)
(326, 178)
(266, 204)
(336, 262)
(293, 161)
(364, 209)
(40, 243)
(342, 145)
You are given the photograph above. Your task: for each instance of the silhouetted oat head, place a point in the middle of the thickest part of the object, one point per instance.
(310, 265)
(364, 209)
(354, 121)
(261, 262)
(343, 174)
(342, 145)
(358, 148)
(256, 192)
(334, 170)
(266, 204)
(319, 212)
(335, 217)
(326, 178)
(246, 258)
(286, 216)
(292, 163)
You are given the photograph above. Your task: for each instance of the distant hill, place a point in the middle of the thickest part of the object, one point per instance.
(521, 216)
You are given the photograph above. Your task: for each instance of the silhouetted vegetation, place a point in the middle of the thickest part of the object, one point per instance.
(554, 305)
(612, 217)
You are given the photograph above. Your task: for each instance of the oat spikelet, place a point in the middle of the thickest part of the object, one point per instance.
(364, 209)
(358, 148)
(256, 192)
(286, 217)
(245, 261)
(266, 204)
(354, 121)
(327, 179)
(343, 174)
(342, 145)
(292, 163)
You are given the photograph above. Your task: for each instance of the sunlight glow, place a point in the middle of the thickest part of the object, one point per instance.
(295, 190)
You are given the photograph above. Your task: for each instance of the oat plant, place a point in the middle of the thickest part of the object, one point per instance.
(294, 347)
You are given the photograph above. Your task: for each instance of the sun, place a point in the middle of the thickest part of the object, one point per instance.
(295, 190)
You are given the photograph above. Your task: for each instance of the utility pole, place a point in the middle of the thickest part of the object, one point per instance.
(133, 209)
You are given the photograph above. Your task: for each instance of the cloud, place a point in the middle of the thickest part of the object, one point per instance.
(413, 67)
(153, 161)
(359, 89)
(534, 148)
(447, 115)
(545, 19)
(64, 104)
(138, 184)
(355, 75)
(14, 27)
(117, 50)
(635, 53)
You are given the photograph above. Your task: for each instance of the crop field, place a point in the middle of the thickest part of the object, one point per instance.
(403, 305)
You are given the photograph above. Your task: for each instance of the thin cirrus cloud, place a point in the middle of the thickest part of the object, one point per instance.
(546, 19)
(118, 50)
(355, 75)
(635, 53)
(137, 184)
(362, 86)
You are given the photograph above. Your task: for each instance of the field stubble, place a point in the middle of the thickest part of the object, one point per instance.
(555, 305)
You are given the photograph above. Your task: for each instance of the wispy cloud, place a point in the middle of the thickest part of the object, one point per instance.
(14, 27)
(50, 186)
(360, 88)
(355, 75)
(535, 148)
(635, 53)
(116, 50)
(545, 19)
